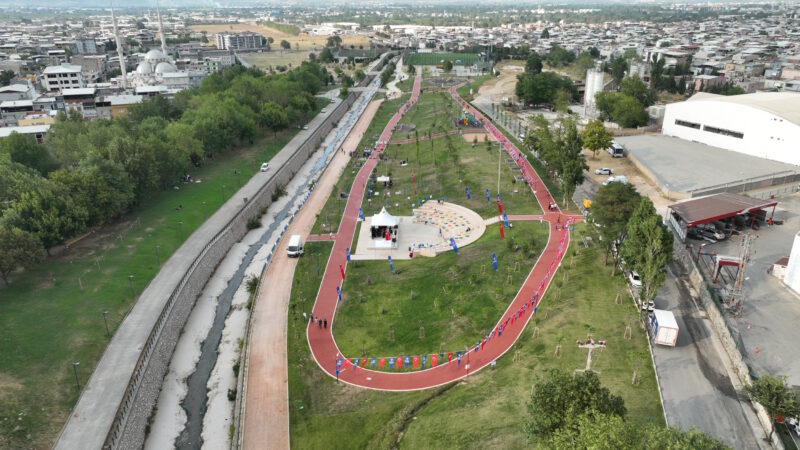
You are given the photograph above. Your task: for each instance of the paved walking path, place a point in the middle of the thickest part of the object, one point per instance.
(266, 420)
(321, 341)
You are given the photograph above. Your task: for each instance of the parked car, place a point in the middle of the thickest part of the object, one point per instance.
(710, 230)
(305, 127)
(324, 110)
(333, 101)
(603, 171)
(616, 179)
(264, 167)
(616, 150)
(635, 279)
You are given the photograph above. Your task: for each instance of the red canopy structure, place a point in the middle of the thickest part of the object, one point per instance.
(709, 208)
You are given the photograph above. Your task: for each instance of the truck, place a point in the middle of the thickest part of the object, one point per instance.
(616, 150)
(664, 327)
(295, 246)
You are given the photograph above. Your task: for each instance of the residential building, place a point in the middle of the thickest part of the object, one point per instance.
(63, 76)
(240, 41)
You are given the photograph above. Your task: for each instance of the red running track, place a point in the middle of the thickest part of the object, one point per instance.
(513, 321)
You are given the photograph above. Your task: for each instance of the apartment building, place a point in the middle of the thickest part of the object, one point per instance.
(62, 76)
(240, 41)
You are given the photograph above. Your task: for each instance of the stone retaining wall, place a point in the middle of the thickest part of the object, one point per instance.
(720, 327)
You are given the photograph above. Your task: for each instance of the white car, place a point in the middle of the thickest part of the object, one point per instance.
(305, 127)
(603, 171)
(324, 110)
(615, 179)
(333, 101)
(635, 279)
(264, 167)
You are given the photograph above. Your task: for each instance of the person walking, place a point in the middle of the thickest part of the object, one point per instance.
(325, 323)
(319, 323)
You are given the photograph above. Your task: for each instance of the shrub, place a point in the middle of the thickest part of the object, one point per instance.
(253, 223)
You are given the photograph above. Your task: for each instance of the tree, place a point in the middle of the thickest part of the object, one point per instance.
(447, 65)
(533, 64)
(360, 75)
(773, 393)
(596, 137)
(608, 431)
(559, 56)
(584, 62)
(618, 67)
(572, 163)
(5, 77)
(545, 34)
(411, 69)
(594, 52)
(18, 248)
(656, 71)
(638, 89)
(629, 113)
(648, 247)
(53, 216)
(286, 45)
(334, 41)
(559, 398)
(612, 207)
(24, 150)
(326, 55)
(274, 117)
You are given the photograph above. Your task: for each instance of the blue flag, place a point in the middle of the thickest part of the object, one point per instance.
(505, 219)
(488, 196)
(372, 362)
(494, 261)
(424, 358)
(360, 214)
(339, 362)
(339, 292)
(348, 253)
(454, 245)
(391, 266)
(391, 362)
(406, 361)
(477, 346)
(498, 196)
(467, 191)
(355, 364)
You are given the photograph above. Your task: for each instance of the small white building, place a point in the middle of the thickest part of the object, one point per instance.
(63, 76)
(764, 124)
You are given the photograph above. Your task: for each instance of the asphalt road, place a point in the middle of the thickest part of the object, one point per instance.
(696, 389)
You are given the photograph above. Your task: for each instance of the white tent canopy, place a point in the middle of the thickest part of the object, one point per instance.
(384, 219)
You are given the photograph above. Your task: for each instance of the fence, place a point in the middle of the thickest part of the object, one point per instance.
(783, 182)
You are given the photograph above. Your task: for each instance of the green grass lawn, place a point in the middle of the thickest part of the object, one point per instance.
(333, 207)
(476, 83)
(434, 59)
(52, 315)
(457, 298)
(488, 410)
(434, 112)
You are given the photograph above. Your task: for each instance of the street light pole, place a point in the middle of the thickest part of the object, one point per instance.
(105, 321)
(75, 371)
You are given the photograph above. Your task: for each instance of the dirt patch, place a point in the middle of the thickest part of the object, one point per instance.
(7, 385)
(469, 137)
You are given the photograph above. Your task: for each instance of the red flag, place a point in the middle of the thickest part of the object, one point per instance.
(450, 357)
(502, 236)
(347, 363)
(363, 362)
(399, 362)
(483, 342)
(415, 361)
(433, 360)
(500, 207)
(341, 269)
(386, 234)
(381, 363)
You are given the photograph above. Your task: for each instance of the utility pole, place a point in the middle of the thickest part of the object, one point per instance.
(736, 300)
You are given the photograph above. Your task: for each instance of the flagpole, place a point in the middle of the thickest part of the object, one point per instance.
(499, 158)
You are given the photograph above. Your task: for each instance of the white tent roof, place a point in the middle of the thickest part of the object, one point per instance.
(383, 219)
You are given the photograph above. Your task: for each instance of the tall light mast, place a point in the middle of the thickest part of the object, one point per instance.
(161, 30)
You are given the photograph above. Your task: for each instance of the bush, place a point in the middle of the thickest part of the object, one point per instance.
(280, 191)
(232, 394)
(252, 284)
(253, 223)
(236, 368)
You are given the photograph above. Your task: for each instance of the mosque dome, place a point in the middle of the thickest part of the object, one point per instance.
(165, 67)
(144, 68)
(155, 56)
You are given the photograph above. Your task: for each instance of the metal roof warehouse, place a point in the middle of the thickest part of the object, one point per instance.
(707, 209)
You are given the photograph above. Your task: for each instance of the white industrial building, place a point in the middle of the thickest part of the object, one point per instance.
(764, 124)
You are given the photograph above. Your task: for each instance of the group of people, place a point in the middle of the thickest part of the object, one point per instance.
(552, 206)
(321, 323)
(591, 341)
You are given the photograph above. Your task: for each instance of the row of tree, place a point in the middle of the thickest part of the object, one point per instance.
(628, 106)
(86, 173)
(629, 225)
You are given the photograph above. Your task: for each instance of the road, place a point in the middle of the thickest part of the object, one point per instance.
(696, 388)
(511, 323)
(267, 402)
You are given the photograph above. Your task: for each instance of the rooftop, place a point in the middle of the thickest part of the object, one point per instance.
(63, 68)
(717, 206)
(29, 129)
(781, 104)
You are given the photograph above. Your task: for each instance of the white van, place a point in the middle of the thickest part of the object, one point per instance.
(295, 246)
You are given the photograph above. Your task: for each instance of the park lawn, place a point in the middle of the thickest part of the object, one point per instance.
(467, 166)
(475, 84)
(275, 58)
(330, 215)
(489, 409)
(52, 315)
(456, 298)
(322, 412)
(434, 59)
(434, 112)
